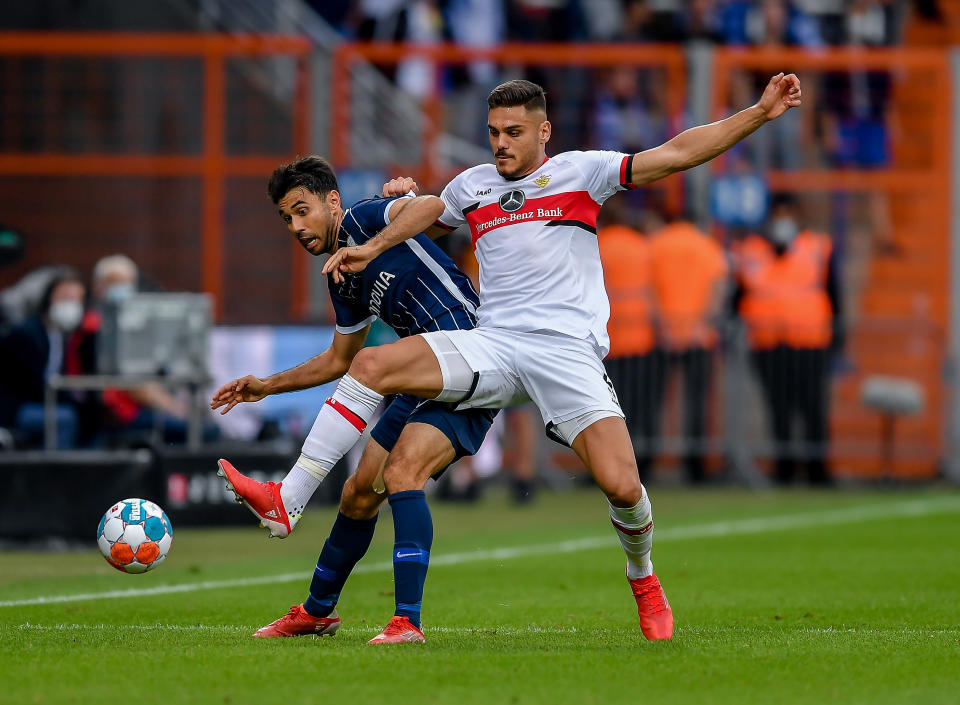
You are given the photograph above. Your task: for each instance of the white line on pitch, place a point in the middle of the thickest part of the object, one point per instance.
(734, 527)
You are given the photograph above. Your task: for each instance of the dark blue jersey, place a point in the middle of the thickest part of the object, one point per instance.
(413, 287)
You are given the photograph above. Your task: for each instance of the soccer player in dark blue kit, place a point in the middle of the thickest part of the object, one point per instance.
(414, 288)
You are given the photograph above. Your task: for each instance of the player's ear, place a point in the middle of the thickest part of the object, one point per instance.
(545, 131)
(333, 201)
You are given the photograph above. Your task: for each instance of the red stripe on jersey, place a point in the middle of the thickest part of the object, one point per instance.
(571, 205)
(357, 422)
(448, 228)
(623, 170)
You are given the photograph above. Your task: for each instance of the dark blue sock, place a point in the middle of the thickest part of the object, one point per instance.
(349, 539)
(413, 537)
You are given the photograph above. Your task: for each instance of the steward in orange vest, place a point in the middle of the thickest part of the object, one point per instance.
(788, 298)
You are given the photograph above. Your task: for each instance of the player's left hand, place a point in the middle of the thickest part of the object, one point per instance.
(781, 94)
(400, 186)
(348, 260)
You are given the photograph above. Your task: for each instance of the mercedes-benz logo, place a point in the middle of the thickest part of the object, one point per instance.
(512, 201)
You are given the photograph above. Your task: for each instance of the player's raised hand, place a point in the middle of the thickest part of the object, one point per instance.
(247, 388)
(781, 94)
(400, 186)
(348, 260)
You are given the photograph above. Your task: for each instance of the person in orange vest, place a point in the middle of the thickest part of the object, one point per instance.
(625, 256)
(788, 297)
(689, 276)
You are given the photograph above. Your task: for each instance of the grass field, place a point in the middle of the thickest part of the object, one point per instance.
(778, 598)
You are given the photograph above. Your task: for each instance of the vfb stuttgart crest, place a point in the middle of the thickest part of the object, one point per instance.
(512, 201)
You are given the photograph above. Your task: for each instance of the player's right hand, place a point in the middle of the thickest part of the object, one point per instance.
(247, 388)
(348, 260)
(400, 186)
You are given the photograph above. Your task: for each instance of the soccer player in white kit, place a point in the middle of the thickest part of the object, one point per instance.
(543, 312)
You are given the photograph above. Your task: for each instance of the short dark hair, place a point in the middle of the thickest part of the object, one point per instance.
(518, 92)
(61, 276)
(312, 173)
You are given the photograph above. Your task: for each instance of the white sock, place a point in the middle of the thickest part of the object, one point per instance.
(297, 488)
(336, 430)
(634, 527)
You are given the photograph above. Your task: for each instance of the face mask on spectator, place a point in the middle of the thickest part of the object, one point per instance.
(66, 315)
(119, 292)
(783, 231)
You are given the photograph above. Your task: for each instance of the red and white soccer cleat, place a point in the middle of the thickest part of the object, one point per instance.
(297, 622)
(656, 617)
(398, 631)
(261, 498)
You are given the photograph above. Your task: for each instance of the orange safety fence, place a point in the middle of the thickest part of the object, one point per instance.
(41, 145)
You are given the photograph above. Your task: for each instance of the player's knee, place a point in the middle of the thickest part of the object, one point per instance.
(400, 475)
(624, 489)
(358, 502)
(368, 368)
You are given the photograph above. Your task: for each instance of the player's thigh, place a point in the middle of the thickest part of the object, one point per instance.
(421, 451)
(605, 448)
(407, 366)
(478, 367)
(360, 498)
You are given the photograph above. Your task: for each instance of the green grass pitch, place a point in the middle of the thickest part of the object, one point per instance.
(846, 597)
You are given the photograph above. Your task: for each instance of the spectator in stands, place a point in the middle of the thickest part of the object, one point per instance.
(788, 296)
(689, 276)
(627, 118)
(31, 353)
(130, 414)
(625, 255)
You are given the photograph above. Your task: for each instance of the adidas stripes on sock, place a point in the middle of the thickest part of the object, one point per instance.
(634, 527)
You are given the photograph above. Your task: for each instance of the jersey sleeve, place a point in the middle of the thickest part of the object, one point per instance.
(605, 172)
(452, 216)
(370, 216)
(349, 317)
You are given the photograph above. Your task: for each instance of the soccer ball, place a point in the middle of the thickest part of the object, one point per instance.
(134, 535)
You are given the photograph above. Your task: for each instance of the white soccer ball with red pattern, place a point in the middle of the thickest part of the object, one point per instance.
(135, 535)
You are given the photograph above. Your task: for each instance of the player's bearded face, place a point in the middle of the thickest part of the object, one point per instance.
(309, 218)
(518, 139)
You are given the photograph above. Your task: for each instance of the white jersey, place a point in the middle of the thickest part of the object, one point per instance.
(536, 242)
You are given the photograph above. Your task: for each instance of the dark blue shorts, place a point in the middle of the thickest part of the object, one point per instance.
(465, 429)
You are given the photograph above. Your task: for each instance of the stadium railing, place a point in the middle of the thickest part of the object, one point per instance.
(191, 124)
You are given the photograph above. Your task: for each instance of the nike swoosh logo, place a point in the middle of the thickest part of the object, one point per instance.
(407, 555)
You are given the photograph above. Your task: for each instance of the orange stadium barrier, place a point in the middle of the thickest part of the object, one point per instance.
(105, 66)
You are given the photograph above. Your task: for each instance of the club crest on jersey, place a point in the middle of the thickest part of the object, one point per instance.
(512, 201)
(542, 180)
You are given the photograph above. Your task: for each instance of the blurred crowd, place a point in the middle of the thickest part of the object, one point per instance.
(50, 324)
(807, 23)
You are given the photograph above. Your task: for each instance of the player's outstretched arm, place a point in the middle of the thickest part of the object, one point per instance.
(408, 217)
(701, 144)
(329, 365)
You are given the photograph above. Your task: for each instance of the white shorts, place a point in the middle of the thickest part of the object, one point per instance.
(563, 376)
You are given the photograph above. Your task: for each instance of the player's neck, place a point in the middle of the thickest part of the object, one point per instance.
(516, 177)
(335, 230)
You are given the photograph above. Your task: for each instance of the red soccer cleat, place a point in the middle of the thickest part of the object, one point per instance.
(297, 622)
(656, 617)
(261, 498)
(398, 631)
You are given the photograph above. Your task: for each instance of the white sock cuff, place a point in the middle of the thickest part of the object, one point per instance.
(357, 397)
(311, 467)
(635, 517)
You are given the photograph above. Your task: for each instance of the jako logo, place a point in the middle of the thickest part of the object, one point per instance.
(485, 192)
(512, 201)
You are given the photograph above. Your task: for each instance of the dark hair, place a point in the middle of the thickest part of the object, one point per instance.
(312, 173)
(518, 92)
(60, 277)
